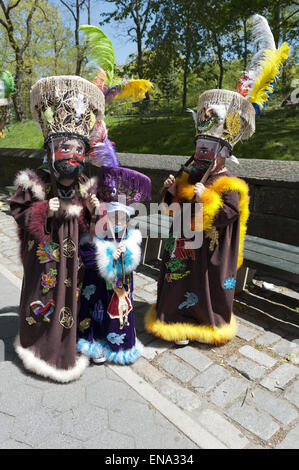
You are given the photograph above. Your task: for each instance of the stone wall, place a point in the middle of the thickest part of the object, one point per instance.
(274, 186)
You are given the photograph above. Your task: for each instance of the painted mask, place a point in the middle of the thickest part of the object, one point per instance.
(69, 157)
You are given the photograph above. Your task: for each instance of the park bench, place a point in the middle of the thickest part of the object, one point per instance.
(275, 258)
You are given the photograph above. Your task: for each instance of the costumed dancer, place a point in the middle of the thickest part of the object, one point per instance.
(52, 207)
(106, 320)
(111, 253)
(196, 286)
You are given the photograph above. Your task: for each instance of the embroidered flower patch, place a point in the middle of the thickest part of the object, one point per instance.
(229, 283)
(48, 281)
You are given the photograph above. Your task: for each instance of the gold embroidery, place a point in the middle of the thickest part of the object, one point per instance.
(30, 245)
(66, 318)
(232, 126)
(69, 248)
(48, 188)
(30, 321)
(84, 324)
(68, 282)
(213, 234)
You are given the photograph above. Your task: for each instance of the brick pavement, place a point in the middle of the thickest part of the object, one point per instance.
(240, 395)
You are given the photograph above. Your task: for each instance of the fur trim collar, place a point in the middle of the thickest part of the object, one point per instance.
(89, 187)
(105, 249)
(28, 179)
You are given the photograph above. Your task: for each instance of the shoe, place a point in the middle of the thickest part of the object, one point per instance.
(200, 341)
(182, 342)
(99, 360)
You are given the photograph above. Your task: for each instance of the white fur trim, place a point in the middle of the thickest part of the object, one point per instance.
(27, 180)
(102, 259)
(86, 187)
(41, 367)
(71, 210)
(133, 243)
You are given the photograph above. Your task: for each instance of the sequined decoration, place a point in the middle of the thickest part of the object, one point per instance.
(232, 126)
(66, 318)
(47, 252)
(30, 245)
(40, 311)
(229, 283)
(68, 282)
(84, 324)
(48, 280)
(69, 248)
(213, 234)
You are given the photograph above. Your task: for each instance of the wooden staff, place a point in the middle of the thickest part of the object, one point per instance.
(52, 176)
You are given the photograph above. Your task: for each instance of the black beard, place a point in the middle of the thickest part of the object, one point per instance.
(197, 170)
(68, 171)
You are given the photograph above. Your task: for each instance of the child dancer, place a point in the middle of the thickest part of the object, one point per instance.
(106, 320)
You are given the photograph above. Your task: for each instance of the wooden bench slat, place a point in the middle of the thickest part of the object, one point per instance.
(265, 260)
(270, 251)
(272, 244)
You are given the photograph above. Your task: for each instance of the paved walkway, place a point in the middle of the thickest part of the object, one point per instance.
(243, 395)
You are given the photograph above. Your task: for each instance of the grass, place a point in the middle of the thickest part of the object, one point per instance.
(276, 137)
(25, 135)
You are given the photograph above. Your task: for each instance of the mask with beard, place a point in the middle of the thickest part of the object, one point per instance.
(204, 157)
(68, 157)
(196, 171)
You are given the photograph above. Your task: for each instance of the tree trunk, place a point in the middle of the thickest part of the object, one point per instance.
(79, 58)
(185, 76)
(245, 56)
(220, 61)
(16, 97)
(276, 23)
(139, 52)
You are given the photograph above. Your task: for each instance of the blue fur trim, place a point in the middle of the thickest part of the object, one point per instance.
(128, 259)
(122, 357)
(90, 349)
(109, 268)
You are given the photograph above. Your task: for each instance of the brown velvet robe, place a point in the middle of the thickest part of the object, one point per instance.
(47, 344)
(196, 287)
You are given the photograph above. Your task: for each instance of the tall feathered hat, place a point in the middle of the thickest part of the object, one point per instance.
(6, 87)
(66, 105)
(229, 116)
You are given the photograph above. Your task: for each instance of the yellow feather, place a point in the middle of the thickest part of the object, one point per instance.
(270, 66)
(135, 89)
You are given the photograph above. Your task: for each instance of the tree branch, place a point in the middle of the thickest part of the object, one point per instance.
(11, 7)
(28, 27)
(69, 8)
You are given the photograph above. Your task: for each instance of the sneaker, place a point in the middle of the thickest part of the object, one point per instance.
(182, 342)
(99, 360)
(200, 341)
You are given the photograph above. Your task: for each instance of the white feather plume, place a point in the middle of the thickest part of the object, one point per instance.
(262, 35)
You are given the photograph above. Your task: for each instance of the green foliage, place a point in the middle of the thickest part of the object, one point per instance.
(24, 135)
(276, 136)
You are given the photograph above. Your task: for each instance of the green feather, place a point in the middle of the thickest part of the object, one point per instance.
(8, 82)
(100, 49)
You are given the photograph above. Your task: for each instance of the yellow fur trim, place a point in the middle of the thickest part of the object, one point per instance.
(179, 331)
(212, 202)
